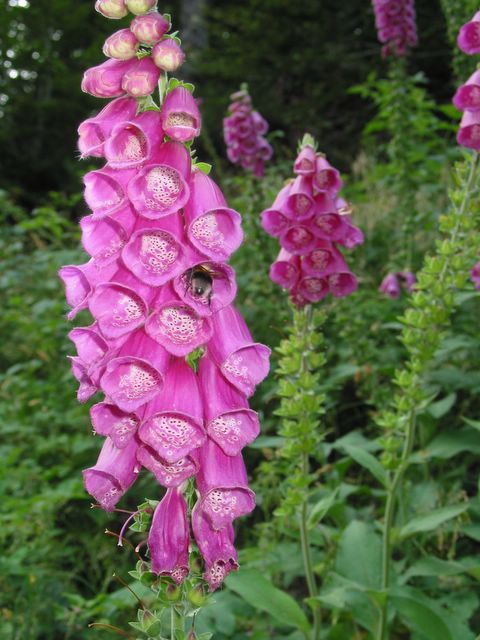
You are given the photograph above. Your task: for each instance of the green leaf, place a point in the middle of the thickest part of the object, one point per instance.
(473, 423)
(320, 510)
(259, 592)
(366, 460)
(441, 407)
(431, 566)
(204, 166)
(359, 555)
(429, 521)
(449, 444)
(420, 613)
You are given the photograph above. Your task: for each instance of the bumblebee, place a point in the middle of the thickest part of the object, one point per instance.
(199, 281)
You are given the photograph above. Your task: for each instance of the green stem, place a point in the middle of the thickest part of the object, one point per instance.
(410, 431)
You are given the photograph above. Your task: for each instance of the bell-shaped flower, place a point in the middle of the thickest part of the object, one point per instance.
(286, 270)
(134, 142)
(469, 133)
(168, 55)
(326, 177)
(206, 286)
(120, 305)
(216, 548)
(259, 123)
(475, 275)
(80, 280)
(105, 190)
(162, 187)
(390, 286)
(108, 420)
(212, 227)
(177, 326)
(469, 36)
(141, 79)
(93, 132)
(181, 118)
(243, 362)
(223, 485)
(173, 420)
(168, 474)
(115, 472)
(137, 374)
(114, 9)
(312, 288)
(169, 537)
(121, 45)
(154, 252)
(87, 386)
(300, 204)
(298, 239)
(305, 161)
(105, 80)
(103, 239)
(324, 260)
(468, 94)
(342, 284)
(139, 7)
(409, 280)
(274, 220)
(150, 28)
(229, 421)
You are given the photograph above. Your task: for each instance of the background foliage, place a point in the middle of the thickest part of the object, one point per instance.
(391, 131)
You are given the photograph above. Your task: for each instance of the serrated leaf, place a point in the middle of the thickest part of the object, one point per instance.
(260, 593)
(430, 521)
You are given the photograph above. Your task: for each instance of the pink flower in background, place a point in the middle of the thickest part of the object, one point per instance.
(158, 287)
(390, 286)
(244, 132)
(396, 25)
(475, 275)
(469, 36)
(310, 220)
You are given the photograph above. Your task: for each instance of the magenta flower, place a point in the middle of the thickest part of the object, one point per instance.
(396, 26)
(169, 537)
(309, 219)
(409, 279)
(390, 286)
(243, 133)
(469, 36)
(475, 275)
(158, 287)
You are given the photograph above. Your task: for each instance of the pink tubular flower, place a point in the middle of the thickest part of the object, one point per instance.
(141, 78)
(409, 279)
(213, 228)
(173, 421)
(243, 133)
(122, 45)
(180, 115)
(468, 95)
(469, 36)
(149, 28)
(475, 275)
(216, 548)
(106, 79)
(222, 482)
(173, 359)
(115, 472)
(168, 539)
(390, 286)
(229, 421)
(308, 217)
(469, 132)
(243, 362)
(396, 26)
(168, 55)
(114, 9)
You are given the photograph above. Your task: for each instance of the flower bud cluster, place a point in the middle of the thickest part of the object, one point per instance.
(160, 290)
(467, 96)
(310, 220)
(137, 55)
(396, 26)
(391, 284)
(243, 131)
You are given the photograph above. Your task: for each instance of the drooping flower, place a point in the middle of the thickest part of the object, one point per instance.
(390, 286)
(396, 25)
(309, 220)
(244, 132)
(469, 36)
(475, 275)
(158, 287)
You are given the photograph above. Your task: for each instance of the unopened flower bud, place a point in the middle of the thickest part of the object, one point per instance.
(168, 55)
(173, 593)
(196, 596)
(121, 45)
(150, 28)
(139, 7)
(114, 9)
